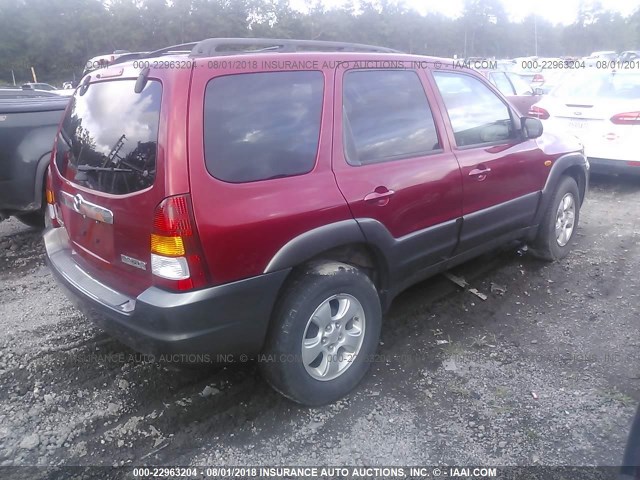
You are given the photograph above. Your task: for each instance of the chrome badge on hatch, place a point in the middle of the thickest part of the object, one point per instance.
(134, 262)
(86, 208)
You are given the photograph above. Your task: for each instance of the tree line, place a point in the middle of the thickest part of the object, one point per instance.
(57, 37)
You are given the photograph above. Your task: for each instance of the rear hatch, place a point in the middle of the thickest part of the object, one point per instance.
(108, 159)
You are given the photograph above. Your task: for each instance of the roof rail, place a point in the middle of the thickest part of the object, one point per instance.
(213, 46)
(181, 48)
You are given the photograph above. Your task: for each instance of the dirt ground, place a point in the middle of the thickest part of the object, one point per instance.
(545, 371)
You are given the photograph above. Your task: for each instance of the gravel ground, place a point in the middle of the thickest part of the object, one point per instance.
(544, 371)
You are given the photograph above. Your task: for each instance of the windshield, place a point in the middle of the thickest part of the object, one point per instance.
(109, 137)
(604, 84)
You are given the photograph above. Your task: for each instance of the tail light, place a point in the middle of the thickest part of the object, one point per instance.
(51, 200)
(538, 112)
(538, 78)
(627, 118)
(177, 262)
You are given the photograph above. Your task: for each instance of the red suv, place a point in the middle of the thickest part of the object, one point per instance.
(272, 197)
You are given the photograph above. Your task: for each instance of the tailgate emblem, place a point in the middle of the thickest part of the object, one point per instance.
(134, 262)
(84, 207)
(77, 202)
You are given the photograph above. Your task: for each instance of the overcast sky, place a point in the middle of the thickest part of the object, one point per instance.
(556, 11)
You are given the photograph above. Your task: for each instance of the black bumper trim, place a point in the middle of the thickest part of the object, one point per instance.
(226, 319)
(605, 166)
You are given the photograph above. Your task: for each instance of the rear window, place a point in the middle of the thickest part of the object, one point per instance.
(259, 126)
(109, 137)
(602, 84)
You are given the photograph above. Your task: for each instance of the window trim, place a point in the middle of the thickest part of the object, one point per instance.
(268, 179)
(495, 83)
(393, 158)
(454, 144)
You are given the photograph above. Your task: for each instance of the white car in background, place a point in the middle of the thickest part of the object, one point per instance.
(45, 87)
(602, 109)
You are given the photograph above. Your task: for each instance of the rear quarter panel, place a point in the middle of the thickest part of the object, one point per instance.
(243, 225)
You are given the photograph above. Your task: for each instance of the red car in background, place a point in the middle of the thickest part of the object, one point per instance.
(517, 90)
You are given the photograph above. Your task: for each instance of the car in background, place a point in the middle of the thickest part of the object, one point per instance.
(604, 55)
(552, 78)
(602, 109)
(533, 78)
(519, 93)
(629, 56)
(506, 65)
(39, 86)
(600, 56)
(28, 123)
(45, 87)
(15, 92)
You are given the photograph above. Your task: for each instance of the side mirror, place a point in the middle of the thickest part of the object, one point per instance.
(531, 127)
(538, 91)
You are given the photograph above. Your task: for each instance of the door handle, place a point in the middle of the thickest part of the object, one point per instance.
(380, 196)
(480, 173)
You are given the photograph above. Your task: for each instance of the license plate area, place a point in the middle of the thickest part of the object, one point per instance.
(90, 226)
(578, 125)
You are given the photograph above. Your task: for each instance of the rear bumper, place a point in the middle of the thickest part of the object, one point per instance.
(227, 319)
(614, 167)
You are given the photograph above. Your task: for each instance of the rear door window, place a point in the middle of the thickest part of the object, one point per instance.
(260, 126)
(109, 137)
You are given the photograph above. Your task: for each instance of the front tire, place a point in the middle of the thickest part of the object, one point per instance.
(325, 329)
(559, 222)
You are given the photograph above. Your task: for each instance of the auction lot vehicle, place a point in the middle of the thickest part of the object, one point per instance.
(274, 201)
(40, 86)
(602, 109)
(28, 126)
(45, 87)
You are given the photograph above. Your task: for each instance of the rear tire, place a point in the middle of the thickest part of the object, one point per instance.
(32, 219)
(559, 222)
(325, 328)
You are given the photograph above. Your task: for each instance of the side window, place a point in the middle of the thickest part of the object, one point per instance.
(259, 126)
(477, 115)
(521, 87)
(386, 116)
(501, 81)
